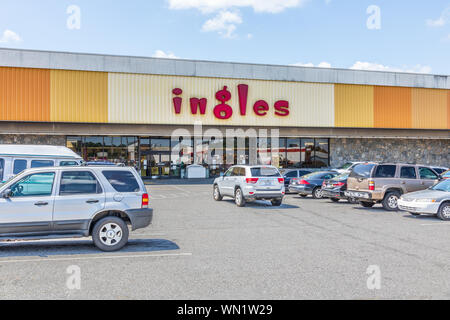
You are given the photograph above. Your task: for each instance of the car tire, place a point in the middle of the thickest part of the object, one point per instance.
(276, 202)
(302, 195)
(390, 201)
(334, 199)
(239, 198)
(216, 193)
(110, 234)
(367, 204)
(444, 212)
(317, 193)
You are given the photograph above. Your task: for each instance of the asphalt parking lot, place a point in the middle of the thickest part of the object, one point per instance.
(201, 249)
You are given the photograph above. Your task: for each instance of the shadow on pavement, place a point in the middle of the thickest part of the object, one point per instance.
(261, 204)
(78, 247)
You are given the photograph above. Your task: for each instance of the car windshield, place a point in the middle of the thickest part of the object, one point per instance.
(442, 186)
(346, 166)
(265, 172)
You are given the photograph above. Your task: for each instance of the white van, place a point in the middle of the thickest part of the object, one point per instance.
(16, 158)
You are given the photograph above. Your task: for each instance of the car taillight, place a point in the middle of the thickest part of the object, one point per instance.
(145, 200)
(324, 184)
(371, 185)
(251, 180)
(338, 184)
(280, 180)
(304, 182)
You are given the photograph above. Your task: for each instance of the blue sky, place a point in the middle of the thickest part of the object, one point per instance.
(413, 36)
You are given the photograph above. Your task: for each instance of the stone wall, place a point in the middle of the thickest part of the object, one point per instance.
(422, 151)
(33, 139)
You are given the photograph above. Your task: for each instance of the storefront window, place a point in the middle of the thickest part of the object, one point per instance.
(75, 144)
(321, 153)
(293, 153)
(307, 153)
(279, 158)
(264, 152)
(93, 149)
(182, 156)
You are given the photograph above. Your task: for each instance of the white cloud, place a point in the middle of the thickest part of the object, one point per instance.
(311, 65)
(10, 36)
(250, 36)
(442, 20)
(208, 6)
(224, 23)
(162, 54)
(359, 65)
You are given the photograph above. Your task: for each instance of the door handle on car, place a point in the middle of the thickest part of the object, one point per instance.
(92, 201)
(41, 203)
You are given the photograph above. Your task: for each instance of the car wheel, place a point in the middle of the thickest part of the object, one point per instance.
(390, 201)
(216, 194)
(239, 198)
(110, 234)
(444, 212)
(367, 204)
(276, 202)
(317, 193)
(334, 199)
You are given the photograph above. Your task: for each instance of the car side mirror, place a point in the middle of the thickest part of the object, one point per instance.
(7, 193)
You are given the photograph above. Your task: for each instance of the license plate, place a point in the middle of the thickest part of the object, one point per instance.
(268, 182)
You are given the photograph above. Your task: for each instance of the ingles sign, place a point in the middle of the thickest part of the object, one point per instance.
(222, 109)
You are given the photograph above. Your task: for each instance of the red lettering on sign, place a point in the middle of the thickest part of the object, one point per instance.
(243, 96)
(282, 108)
(261, 107)
(223, 111)
(198, 103)
(177, 100)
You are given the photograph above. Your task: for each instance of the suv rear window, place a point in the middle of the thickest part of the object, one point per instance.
(122, 181)
(385, 171)
(265, 172)
(362, 170)
(42, 163)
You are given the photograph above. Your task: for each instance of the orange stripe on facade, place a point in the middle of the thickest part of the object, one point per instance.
(79, 96)
(448, 109)
(392, 107)
(24, 94)
(429, 108)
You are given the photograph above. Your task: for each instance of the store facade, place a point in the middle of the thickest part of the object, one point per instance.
(146, 112)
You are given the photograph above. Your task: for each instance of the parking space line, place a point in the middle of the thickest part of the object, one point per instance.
(99, 258)
(436, 223)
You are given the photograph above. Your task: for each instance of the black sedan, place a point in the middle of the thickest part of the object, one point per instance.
(290, 174)
(311, 184)
(335, 188)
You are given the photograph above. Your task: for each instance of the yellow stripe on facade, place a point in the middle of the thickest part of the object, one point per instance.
(354, 106)
(78, 96)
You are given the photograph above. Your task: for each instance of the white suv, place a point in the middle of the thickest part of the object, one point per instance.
(63, 202)
(246, 183)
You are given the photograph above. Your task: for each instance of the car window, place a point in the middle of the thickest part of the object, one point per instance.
(385, 171)
(122, 181)
(426, 173)
(42, 163)
(265, 172)
(19, 166)
(346, 166)
(238, 172)
(316, 175)
(2, 166)
(439, 170)
(79, 182)
(408, 173)
(328, 176)
(34, 185)
(362, 170)
(68, 163)
(291, 174)
(301, 173)
(442, 186)
(228, 173)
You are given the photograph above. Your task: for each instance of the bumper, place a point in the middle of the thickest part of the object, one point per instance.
(333, 194)
(418, 207)
(259, 193)
(140, 218)
(302, 189)
(359, 195)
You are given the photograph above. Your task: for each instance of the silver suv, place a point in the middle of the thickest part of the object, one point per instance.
(66, 202)
(246, 183)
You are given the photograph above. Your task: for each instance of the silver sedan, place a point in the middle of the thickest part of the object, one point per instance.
(435, 200)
